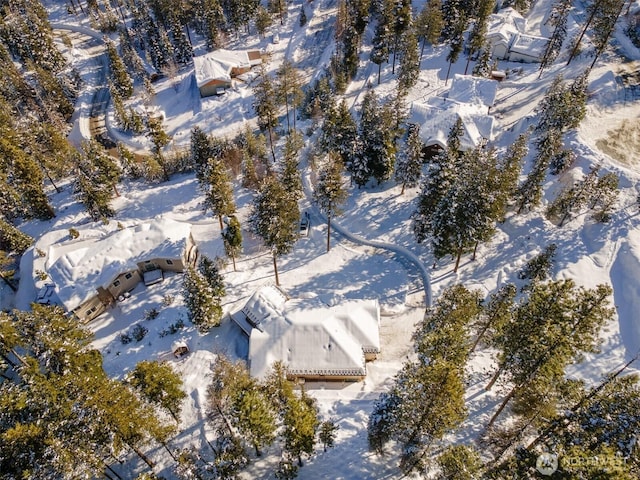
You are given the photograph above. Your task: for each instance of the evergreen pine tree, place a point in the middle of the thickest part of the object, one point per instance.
(201, 301)
(459, 462)
(340, 133)
(158, 383)
(429, 23)
(275, 218)
(409, 68)
(290, 175)
(264, 104)
(377, 138)
(558, 20)
(210, 270)
(118, 72)
(232, 237)
(218, 190)
(477, 36)
(327, 433)
(381, 40)
(409, 166)
(12, 239)
(289, 89)
(329, 193)
(300, 425)
(566, 317)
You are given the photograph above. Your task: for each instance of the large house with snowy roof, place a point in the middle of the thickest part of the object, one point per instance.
(313, 339)
(508, 39)
(214, 71)
(90, 273)
(468, 100)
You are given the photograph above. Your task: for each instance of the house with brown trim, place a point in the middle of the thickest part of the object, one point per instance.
(215, 71)
(313, 339)
(97, 269)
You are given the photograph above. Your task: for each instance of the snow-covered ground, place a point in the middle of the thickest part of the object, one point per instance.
(589, 253)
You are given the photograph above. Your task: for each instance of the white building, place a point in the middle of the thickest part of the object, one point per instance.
(215, 70)
(92, 271)
(507, 34)
(468, 100)
(315, 341)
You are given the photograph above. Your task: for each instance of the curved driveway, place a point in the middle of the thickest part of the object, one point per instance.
(98, 99)
(397, 249)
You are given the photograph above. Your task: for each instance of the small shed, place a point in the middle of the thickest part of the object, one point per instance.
(179, 348)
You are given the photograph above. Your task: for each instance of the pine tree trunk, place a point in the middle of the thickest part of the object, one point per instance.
(328, 232)
(475, 250)
(300, 460)
(73, 7)
(403, 186)
(233, 260)
(458, 256)
(466, 67)
(557, 423)
(175, 417)
(494, 378)
(424, 40)
(220, 221)
(395, 49)
(108, 467)
(166, 447)
(446, 80)
(479, 337)
(379, 69)
(257, 449)
(584, 30)
(275, 269)
(502, 406)
(46, 172)
(142, 456)
(273, 153)
(115, 190)
(286, 107)
(294, 111)
(611, 28)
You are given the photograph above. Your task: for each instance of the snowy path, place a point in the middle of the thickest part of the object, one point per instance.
(397, 249)
(91, 105)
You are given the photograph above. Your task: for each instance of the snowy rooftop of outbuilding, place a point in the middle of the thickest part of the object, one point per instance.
(79, 266)
(437, 117)
(476, 90)
(310, 337)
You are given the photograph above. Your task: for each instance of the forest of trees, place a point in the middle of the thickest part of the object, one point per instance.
(61, 408)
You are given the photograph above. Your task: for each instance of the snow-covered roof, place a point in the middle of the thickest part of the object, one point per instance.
(78, 267)
(504, 24)
(437, 117)
(311, 338)
(529, 46)
(217, 65)
(476, 90)
(207, 68)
